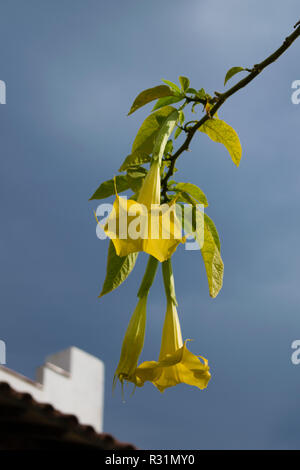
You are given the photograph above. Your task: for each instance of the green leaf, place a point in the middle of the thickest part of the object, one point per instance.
(209, 244)
(151, 94)
(182, 196)
(169, 147)
(107, 188)
(191, 91)
(163, 135)
(219, 131)
(231, 72)
(135, 177)
(149, 129)
(184, 82)
(177, 132)
(213, 231)
(137, 172)
(212, 260)
(172, 86)
(134, 159)
(181, 117)
(166, 101)
(117, 269)
(202, 94)
(193, 191)
(144, 142)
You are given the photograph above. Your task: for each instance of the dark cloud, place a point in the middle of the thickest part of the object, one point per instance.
(72, 69)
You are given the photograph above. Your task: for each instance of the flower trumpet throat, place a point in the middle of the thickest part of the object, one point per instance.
(145, 225)
(150, 191)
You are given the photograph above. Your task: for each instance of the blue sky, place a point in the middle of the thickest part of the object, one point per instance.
(72, 69)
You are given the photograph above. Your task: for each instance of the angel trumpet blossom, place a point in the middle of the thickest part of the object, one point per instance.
(176, 364)
(145, 225)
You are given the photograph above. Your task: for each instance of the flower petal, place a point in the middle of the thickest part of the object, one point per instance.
(130, 227)
(180, 367)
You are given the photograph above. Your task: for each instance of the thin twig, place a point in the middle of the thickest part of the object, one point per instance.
(220, 99)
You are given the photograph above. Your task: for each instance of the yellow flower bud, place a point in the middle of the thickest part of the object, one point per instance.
(133, 343)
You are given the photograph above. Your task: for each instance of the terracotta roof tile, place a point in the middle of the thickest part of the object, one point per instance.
(26, 423)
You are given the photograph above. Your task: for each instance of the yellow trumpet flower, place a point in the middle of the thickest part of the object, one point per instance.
(176, 364)
(145, 225)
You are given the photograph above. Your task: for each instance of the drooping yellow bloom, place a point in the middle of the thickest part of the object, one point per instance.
(145, 225)
(176, 364)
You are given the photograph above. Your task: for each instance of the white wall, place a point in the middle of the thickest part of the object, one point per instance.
(71, 380)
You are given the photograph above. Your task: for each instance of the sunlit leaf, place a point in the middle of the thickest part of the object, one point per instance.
(163, 135)
(166, 101)
(107, 188)
(191, 91)
(181, 117)
(213, 231)
(210, 249)
(212, 259)
(182, 196)
(149, 95)
(117, 269)
(193, 191)
(219, 131)
(184, 82)
(202, 94)
(135, 177)
(173, 86)
(169, 147)
(134, 159)
(231, 72)
(177, 132)
(144, 142)
(137, 172)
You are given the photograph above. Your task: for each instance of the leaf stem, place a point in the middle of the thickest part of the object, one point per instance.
(148, 277)
(168, 278)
